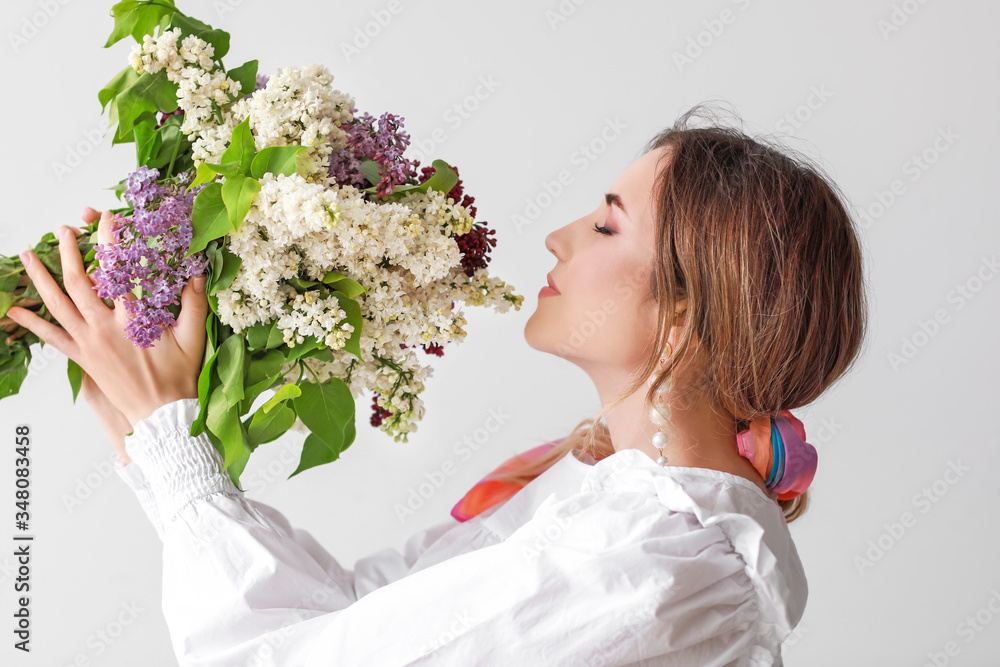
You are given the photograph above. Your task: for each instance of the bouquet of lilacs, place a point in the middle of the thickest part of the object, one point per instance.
(331, 258)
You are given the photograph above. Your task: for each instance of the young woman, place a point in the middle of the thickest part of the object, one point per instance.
(717, 285)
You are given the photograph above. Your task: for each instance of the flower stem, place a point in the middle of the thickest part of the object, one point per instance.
(177, 146)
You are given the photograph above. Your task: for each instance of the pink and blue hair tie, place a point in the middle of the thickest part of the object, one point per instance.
(776, 446)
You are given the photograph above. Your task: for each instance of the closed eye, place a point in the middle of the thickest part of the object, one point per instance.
(602, 230)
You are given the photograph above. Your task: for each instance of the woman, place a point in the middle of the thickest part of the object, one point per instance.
(718, 273)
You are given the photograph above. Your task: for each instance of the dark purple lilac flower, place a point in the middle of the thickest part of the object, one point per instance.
(384, 145)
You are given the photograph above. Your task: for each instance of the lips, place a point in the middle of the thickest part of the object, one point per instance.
(552, 283)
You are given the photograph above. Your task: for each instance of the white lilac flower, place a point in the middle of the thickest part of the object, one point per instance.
(417, 257)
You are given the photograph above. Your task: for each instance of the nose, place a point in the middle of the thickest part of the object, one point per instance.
(555, 242)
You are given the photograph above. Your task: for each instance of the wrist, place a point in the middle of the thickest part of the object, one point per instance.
(137, 413)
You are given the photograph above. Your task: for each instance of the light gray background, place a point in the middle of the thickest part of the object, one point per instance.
(885, 434)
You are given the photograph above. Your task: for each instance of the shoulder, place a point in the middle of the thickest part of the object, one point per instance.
(701, 539)
(680, 585)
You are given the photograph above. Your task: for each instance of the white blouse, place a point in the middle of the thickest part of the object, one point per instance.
(614, 562)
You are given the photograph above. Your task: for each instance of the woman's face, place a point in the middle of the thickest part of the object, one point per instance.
(604, 315)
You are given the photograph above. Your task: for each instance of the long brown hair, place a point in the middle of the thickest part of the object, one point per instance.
(760, 244)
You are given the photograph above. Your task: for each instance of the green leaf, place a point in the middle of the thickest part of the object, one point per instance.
(267, 426)
(214, 253)
(150, 15)
(277, 160)
(342, 283)
(238, 192)
(209, 218)
(308, 345)
(349, 434)
(170, 134)
(370, 169)
(147, 137)
(226, 169)
(242, 147)
(240, 464)
(275, 338)
(124, 79)
(205, 174)
(150, 92)
(256, 335)
(207, 379)
(301, 285)
(230, 267)
(223, 421)
(15, 368)
(246, 76)
(7, 299)
(75, 373)
(126, 17)
(138, 18)
(262, 372)
(286, 392)
(443, 180)
(191, 26)
(325, 409)
(230, 364)
(355, 319)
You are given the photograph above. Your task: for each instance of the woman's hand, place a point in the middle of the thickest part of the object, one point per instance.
(135, 380)
(114, 422)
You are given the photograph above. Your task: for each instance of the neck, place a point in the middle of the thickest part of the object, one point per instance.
(702, 435)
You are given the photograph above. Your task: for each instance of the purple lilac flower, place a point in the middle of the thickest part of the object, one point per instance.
(140, 186)
(261, 83)
(148, 252)
(385, 146)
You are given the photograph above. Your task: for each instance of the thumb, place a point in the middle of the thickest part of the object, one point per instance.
(190, 330)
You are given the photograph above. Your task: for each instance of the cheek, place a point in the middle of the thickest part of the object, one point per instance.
(604, 316)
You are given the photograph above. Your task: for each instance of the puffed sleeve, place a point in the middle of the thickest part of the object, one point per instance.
(132, 475)
(369, 572)
(596, 579)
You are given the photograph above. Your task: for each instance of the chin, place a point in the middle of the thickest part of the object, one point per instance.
(529, 331)
(534, 333)
(539, 335)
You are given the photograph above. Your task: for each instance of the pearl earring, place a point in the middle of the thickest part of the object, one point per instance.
(660, 441)
(660, 438)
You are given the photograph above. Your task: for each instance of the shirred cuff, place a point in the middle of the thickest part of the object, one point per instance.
(131, 473)
(178, 468)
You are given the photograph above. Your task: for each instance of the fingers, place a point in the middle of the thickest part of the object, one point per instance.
(48, 332)
(106, 238)
(89, 215)
(190, 332)
(61, 306)
(76, 280)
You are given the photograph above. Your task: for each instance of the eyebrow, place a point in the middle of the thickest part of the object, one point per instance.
(613, 199)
